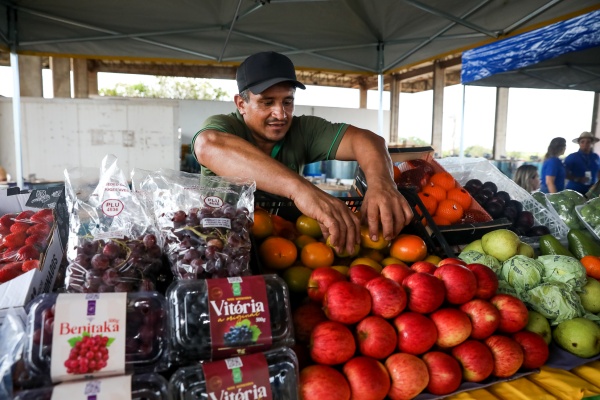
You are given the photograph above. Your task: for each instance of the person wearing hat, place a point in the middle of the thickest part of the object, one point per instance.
(264, 141)
(582, 166)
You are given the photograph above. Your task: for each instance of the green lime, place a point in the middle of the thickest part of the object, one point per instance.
(296, 278)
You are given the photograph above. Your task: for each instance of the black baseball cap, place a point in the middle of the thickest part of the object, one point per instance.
(260, 71)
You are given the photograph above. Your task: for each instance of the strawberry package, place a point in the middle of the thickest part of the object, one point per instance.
(114, 245)
(204, 222)
(31, 246)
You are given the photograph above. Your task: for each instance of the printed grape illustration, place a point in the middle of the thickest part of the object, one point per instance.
(88, 354)
(242, 334)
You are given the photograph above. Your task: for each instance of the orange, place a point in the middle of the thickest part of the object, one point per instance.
(432, 258)
(397, 174)
(443, 179)
(308, 226)
(284, 228)
(367, 261)
(390, 260)
(461, 196)
(592, 266)
(317, 254)
(438, 192)
(277, 252)
(440, 220)
(428, 201)
(263, 225)
(367, 242)
(408, 248)
(303, 240)
(450, 210)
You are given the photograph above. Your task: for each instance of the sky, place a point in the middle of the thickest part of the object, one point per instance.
(535, 116)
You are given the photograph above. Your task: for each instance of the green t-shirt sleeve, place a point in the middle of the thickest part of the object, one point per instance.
(222, 123)
(321, 137)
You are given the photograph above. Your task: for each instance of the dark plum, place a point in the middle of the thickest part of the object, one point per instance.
(474, 184)
(525, 220)
(490, 185)
(503, 195)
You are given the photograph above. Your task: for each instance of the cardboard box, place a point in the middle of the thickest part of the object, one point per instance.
(20, 290)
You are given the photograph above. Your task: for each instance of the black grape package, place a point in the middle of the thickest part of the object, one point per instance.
(113, 244)
(204, 222)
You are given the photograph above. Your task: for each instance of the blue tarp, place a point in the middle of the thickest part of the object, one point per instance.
(531, 48)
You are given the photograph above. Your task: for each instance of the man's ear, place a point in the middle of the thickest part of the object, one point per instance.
(239, 103)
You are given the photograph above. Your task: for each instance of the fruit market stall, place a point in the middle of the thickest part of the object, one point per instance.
(178, 286)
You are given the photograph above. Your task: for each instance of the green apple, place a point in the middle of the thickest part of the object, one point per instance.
(474, 246)
(578, 336)
(526, 250)
(501, 244)
(539, 324)
(590, 296)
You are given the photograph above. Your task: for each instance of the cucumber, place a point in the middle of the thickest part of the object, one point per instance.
(582, 243)
(551, 246)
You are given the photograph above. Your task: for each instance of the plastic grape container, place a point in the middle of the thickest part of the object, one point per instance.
(190, 325)
(189, 383)
(149, 386)
(146, 343)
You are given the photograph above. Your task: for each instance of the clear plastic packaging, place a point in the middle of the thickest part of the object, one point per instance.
(189, 313)
(205, 222)
(188, 383)
(146, 333)
(114, 244)
(143, 387)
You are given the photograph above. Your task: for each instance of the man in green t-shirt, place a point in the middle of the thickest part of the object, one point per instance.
(265, 142)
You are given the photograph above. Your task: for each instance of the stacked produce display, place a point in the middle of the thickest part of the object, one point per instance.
(181, 287)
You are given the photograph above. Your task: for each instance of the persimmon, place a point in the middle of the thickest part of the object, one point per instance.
(317, 254)
(408, 248)
(591, 265)
(277, 252)
(263, 225)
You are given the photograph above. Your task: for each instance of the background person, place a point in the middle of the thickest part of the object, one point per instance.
(553, 170)
(583, 165)
(527, 177)
(263, 140)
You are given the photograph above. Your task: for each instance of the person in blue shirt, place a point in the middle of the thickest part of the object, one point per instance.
(582, 166)
(553, 170)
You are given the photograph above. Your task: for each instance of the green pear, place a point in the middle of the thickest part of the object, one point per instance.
(578, 336)
(526, 250)
(501, 244)
(539, 324)
(590, 296)
(474, 246)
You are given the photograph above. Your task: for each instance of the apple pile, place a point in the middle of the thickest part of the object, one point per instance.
(23, 238)
(401, 332)
(499, 204)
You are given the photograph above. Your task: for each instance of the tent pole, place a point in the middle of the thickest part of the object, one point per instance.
(16, 106)
(380, 84)
(461, 151)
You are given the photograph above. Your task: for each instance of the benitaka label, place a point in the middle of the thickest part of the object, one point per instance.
(240, 321)
(88, 336)
(238, 378)
(116, 388)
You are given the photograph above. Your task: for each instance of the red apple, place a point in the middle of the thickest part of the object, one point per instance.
(425, 292)
(487, 281)
(331, 343)
(305, 317)
(396, 272)
(361, 274)
(376, 337)
(346, 302)
(388, 298)
(368, 378)
(423, 266)
(445, 373)
(322, 382)
(416, 332)
(459, 281)
(451, 260)
(476, 360)
(320, 279)
(453, 326)
(508, 355)
(485, 317)
(513, 313)
(409, 376)
(535, 349)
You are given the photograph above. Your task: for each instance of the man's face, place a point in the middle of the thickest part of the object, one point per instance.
(269, 114)
(585, 145)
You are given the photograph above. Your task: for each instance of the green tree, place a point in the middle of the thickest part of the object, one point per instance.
(169, 88)
(477, 151)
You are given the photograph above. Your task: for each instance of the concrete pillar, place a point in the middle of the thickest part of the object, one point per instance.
(30, 76)
(93, 82)
(363, 94)
(395, 86)
(500, 120)
(439, 82)
(80, 78)
(61, 76)
(596, 119)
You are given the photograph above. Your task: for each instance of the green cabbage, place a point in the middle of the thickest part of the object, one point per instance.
(563, 269)
(505, 288)
(556, 301)
(522, 272)
(472, 257)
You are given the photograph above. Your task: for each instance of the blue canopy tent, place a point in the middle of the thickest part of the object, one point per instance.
(564, 55)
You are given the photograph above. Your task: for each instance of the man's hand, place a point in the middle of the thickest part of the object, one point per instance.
(337, 221)
(384, 203)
